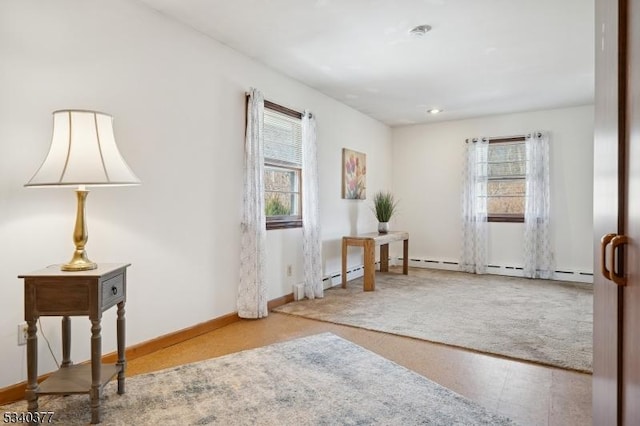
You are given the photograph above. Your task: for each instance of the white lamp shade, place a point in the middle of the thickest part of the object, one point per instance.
(83, 152)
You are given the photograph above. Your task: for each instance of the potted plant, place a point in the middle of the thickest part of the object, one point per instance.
(384, 205)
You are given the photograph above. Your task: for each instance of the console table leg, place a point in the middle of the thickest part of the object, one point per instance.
(405, 257)
(384, 258)
(32, 366)
(122, 362)
(66, 342)
(96, 354)
(344, 263)
(369, 265)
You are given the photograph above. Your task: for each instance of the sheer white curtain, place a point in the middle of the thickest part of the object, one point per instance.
(311, 242)
(252, 290)
(474, 207)
(538, 257)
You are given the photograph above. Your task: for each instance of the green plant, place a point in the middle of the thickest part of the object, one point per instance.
(275, 207)
(384, 205)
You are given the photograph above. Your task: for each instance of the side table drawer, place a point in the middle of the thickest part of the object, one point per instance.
(112, 291)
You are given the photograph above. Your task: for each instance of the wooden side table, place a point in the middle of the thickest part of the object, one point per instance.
(51, 292)
(369, 242)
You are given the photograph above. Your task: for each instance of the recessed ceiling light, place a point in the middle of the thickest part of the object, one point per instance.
(434, 111)
(420, 30)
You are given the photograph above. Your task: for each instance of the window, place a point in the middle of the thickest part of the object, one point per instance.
(282, 166)
(506, 184)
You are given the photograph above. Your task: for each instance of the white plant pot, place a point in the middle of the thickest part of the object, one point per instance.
(383, 227)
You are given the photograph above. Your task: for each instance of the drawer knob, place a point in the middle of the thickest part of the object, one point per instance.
(114, 290)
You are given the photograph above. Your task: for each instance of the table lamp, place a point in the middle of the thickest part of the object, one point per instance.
(83, 153)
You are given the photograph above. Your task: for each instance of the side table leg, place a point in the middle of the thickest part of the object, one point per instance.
(122, 362)
(66, 342)
(96, 354)
(32, 366)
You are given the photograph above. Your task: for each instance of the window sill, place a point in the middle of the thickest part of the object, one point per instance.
(283, 224)
(506, 218)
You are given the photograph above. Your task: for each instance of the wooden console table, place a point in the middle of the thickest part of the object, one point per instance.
(51, 292)
(369, 242)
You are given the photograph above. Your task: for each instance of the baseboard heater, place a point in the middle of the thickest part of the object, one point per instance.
(516, 271)
(354, 272)
(335, 279)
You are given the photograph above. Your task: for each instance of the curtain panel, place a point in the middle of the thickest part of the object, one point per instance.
(538, 256)
(252, 289)
(311, 241)
(473, 256)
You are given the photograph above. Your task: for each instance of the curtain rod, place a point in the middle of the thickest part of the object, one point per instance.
(283, 109)
(518, 138)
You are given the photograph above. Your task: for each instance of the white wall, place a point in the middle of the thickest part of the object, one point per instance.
(427, 178)
(178, 102)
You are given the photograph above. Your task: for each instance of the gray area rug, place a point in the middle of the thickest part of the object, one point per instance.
(547, 322)
(316, 380)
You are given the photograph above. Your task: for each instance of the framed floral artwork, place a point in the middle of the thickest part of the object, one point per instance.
(354, 175)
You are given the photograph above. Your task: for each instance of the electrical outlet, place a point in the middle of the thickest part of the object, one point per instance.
(289, 270)
(22, 333)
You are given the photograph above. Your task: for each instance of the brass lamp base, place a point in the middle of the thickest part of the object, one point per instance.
(79, 260)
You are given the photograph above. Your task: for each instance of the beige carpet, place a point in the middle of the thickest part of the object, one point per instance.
(316, 380)
(547, 322)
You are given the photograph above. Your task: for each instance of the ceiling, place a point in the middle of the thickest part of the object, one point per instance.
(481, 57)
